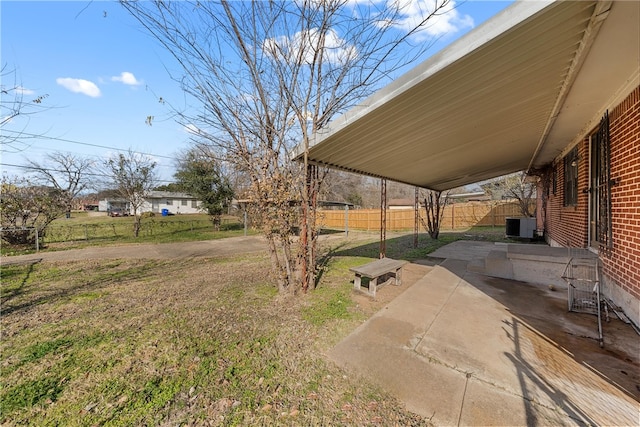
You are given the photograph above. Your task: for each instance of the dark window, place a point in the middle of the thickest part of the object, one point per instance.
(169, 202)
(183, 202)
(601, 183)
(571, 178)
(194, 204)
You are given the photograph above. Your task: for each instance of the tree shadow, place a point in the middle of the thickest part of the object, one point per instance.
(322, 264)
(14, 292)
(544, 310)
(397, 247)
(528, 374)
(403, 246)
(96, 283)
(539, 313)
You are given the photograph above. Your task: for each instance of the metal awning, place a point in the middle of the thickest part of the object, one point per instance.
(508, 96)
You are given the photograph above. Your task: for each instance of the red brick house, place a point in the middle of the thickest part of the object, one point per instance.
(549, 87)
(590, 198)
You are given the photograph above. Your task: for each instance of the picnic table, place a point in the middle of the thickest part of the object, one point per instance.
(381, 268)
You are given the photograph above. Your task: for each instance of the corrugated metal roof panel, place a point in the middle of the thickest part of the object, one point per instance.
(466, 114)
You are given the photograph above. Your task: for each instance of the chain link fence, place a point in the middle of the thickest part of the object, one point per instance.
(30, 238)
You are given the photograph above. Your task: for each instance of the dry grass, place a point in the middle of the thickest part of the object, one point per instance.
(199, 342)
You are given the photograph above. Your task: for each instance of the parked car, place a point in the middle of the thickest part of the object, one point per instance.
(118, 212)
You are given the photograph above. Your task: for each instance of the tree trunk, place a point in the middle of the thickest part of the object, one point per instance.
(308, 228)
(136, 226)
(434, 207)
(280, 263)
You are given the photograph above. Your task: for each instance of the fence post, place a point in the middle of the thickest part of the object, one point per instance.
(245, 221)
(346, 220)
(493, 215)
(453, 216)
(37, 240)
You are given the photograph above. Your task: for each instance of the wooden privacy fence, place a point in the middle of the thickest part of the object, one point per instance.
(455, 216)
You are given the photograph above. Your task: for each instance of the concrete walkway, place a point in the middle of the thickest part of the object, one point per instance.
(458, 348)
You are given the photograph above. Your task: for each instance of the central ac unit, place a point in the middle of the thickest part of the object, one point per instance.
(521, 227)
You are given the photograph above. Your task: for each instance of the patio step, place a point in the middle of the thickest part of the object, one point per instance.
(528, 263)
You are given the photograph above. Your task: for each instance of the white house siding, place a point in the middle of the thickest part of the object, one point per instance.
(175, 206)
(175, 203)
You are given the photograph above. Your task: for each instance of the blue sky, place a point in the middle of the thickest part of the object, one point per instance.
(103, 76)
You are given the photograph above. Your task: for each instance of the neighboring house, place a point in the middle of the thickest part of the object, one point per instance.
(175, 203)
(401, 204)
(550, 87)
(156, 202)
(107, 205)
(478, 196)
(85, 204)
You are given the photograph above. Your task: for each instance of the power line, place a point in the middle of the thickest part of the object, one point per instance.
(49, 169)
(64, 171)
(53, 138)
(98, 158)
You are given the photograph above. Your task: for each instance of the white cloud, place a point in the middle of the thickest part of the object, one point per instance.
(82, 86)
(445, 21)
(24, 90)
(192, 129)
(303, 45)
(127, 78)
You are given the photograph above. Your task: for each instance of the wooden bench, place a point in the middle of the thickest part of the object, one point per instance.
(375, 270)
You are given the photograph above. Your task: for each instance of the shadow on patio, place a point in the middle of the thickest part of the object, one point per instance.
(463, 348)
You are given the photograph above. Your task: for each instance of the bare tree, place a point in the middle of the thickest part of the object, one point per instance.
(25, 206)
(518, 186)
(434, 204)
(342, 186)
(133, 176)
(67, 173)
(545, 180)
(16, 100)
(267, 76)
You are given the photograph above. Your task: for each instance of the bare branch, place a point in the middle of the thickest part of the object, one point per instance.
(66, 173)
(17, 101)
(133, 175)
(262, 77)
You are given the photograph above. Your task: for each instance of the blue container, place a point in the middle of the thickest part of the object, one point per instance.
(165, 212)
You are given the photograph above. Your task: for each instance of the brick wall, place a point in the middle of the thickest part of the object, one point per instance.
(623, 262)
(568, 225)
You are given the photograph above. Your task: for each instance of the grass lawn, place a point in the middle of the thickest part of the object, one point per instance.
(141, 342)
(194, 342)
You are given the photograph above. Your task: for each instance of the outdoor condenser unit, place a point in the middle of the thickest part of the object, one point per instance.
(521, 227)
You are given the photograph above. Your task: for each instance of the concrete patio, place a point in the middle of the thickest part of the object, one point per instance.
(463, 348)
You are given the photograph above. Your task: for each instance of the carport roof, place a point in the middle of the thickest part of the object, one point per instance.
(510, 95)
